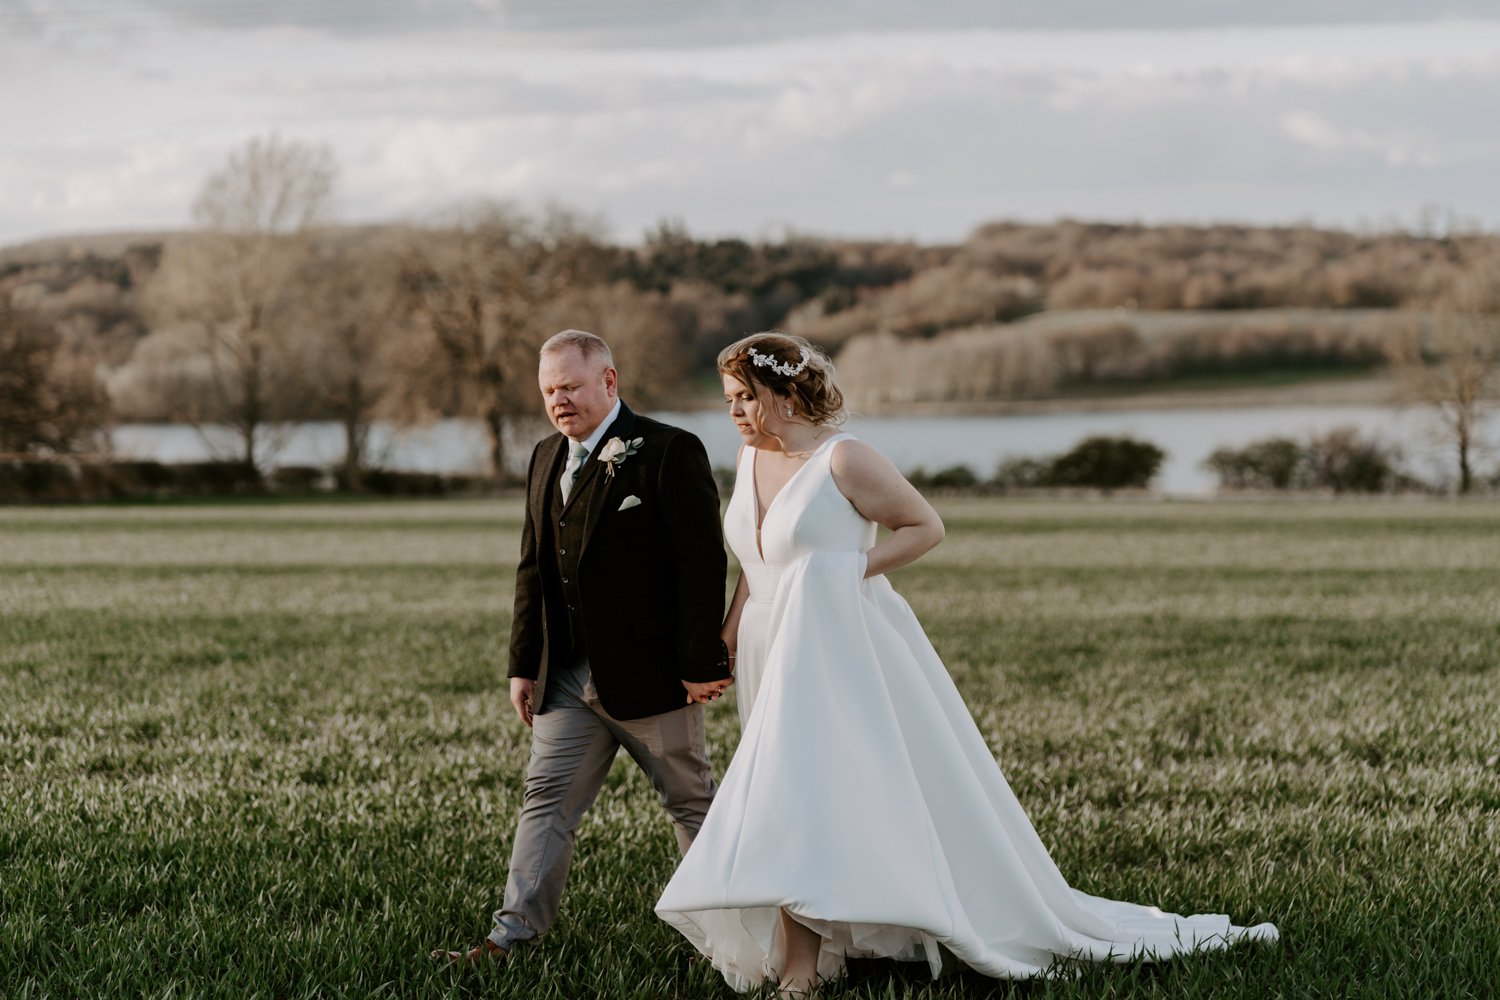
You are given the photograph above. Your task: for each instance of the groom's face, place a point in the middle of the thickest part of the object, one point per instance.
(577, 391)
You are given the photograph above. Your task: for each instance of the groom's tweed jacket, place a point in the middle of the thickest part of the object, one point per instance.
(639, 591)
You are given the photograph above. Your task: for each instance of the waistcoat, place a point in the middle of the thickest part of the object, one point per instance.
(567, 545)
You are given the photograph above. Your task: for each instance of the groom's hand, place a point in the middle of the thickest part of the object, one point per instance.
(698, 694)
(521, 690)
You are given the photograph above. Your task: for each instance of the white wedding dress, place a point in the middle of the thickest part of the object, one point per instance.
(862, 797)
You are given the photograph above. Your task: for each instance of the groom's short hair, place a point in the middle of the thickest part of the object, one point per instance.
(590, 345)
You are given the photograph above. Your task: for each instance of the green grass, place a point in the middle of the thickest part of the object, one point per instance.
(265, 750)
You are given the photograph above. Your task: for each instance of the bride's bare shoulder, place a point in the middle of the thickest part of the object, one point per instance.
(855, 463)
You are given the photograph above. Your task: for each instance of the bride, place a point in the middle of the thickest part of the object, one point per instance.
(863, 814)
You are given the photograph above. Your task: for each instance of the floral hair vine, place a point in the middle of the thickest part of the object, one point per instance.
(780, 368)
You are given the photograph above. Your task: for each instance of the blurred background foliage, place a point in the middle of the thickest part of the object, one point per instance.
(270, 311)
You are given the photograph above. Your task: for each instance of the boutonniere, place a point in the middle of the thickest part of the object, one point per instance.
(615, 452)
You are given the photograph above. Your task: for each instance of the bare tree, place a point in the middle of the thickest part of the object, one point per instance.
(476, 287)
(49, 401)
(1451, 362)
(354, 317)
(651, 351)
(234, 286)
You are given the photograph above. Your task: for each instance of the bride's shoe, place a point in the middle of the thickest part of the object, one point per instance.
(799, 989)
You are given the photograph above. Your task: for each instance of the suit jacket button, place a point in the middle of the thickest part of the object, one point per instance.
(570, 607)
(562, 552)
(562, 524)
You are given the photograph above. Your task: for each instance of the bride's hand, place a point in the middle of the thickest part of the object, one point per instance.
(701, 694)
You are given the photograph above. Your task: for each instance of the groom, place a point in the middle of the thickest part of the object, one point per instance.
(615, 641)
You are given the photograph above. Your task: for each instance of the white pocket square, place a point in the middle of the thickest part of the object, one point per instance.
(629, 502)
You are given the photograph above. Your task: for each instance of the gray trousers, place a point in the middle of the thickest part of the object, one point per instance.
(573, 744)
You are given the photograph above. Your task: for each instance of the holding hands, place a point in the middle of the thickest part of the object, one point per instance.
(702, 693)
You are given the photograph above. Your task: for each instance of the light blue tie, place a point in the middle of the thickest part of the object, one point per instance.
(576, 454)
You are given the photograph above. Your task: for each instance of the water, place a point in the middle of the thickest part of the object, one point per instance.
(980, 442)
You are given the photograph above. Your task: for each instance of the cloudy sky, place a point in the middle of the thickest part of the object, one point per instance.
(843, 117)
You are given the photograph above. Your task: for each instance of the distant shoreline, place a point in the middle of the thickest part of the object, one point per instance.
(1361, 389)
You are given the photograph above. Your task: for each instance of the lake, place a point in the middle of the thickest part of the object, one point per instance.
(1188, 436)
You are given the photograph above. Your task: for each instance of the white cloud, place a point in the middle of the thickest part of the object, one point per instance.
(1310, 129)
(691, 23)
(916, 133)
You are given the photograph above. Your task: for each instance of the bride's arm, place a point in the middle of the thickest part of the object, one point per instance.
(730, 633)
(879, 491)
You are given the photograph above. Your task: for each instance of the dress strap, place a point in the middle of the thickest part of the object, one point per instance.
(826, 448)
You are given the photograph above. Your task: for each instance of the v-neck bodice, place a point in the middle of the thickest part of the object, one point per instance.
(808, 514)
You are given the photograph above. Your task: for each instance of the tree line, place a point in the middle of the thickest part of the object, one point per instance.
(269, 311)
(1339, 461)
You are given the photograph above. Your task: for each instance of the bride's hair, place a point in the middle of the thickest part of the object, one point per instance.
(791, 368)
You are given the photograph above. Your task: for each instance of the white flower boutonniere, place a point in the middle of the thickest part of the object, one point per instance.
(615, 452)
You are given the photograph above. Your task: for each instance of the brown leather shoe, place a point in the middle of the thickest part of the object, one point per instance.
(475, 957)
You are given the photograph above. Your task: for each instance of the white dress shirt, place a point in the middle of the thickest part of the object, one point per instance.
(591, 442)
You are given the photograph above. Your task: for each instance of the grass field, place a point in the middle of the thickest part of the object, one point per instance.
(265, 750)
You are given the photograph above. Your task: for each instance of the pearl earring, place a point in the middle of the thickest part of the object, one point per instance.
(789, 412)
